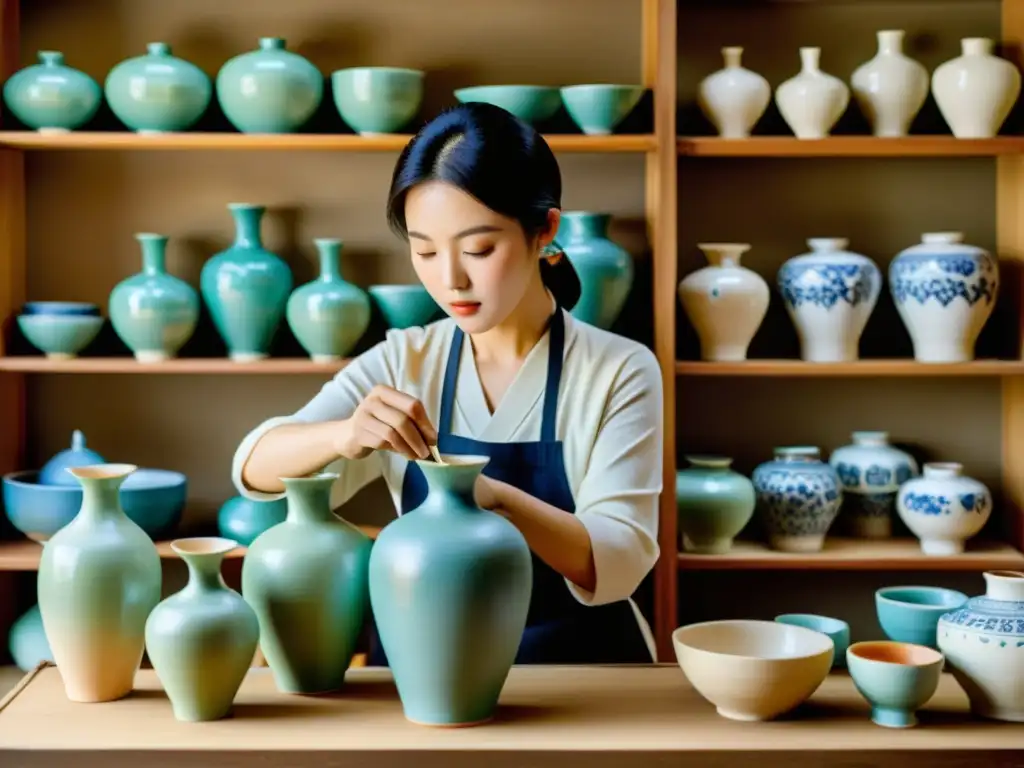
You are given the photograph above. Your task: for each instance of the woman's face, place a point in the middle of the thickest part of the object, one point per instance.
(477, 264)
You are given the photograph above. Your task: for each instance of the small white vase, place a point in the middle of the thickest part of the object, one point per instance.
(943, 507)
(812, 101)
(976, 91)
(829, 294)
(725, 302)
(891, 88)
(734, 98)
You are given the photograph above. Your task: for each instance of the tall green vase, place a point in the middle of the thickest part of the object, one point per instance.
(99, 578)
(605, 268)
(306, 578)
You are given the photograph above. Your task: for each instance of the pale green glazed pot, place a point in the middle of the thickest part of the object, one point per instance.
(604, 267)
(306, 578)
(201, 640)
(714, 504)
(99, 578)
(52, 97)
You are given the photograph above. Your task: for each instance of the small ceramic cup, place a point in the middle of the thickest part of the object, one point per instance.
(911, 614)
(836, 629)
(896, 679)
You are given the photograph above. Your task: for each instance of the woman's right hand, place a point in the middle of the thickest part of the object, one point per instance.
(387, 420)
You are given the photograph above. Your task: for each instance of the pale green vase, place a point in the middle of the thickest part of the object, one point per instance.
(306, 578)
(714, 504)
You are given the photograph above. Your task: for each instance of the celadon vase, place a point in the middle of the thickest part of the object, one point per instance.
(246, 288)
(328, 315)
(52, 97)
(306, 578)
(154, 313)
(450, 588)
(714, 504)
(605, 268)
(202, 639)
(99, 578)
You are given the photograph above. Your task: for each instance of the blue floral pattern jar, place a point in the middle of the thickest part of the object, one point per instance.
(798, 498)
(944, 507)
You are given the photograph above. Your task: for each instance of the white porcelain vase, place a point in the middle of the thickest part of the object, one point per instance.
(725, 302)
(829, 294)
(733, 98)
(945, 292)
(943, 507)
(812, 101)
(891, 88)
(976, 91)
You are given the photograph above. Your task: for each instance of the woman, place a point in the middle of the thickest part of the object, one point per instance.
(570, 415)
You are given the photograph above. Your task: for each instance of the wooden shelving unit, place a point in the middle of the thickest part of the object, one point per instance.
(850, 146)
(864, 368)
(184, 365)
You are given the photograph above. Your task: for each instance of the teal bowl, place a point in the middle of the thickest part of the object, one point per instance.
(60, 308)
(837, 629)
(530, 103)
(60, 337)
(911, 614)
(377, 100)
(896, 679)
(599, 108)
(404, 306)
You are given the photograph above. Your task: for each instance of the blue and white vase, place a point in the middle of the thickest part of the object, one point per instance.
(871, 472)
(944, 507)
(829, 294)
(945, 292)
(798, 498)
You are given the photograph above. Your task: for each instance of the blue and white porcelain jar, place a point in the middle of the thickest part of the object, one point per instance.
(871, 471)
(944, 507)
(829, 294)
(945, 292)
(798, 498)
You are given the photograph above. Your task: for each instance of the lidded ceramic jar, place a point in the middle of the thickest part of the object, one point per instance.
(944, 507)
(52, 97)
(734, 98)
(976, 90)
(798, 498)
(891, 88)
(812, 101)
(55, 471)
(714, 503)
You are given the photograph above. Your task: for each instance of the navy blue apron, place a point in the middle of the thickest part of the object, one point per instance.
(559, 629)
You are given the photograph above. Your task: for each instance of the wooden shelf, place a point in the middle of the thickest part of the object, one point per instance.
(857, 555)
(890, 368)
(284, 365)
(850, 146)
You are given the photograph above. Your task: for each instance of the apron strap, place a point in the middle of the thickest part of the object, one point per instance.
(451, 377)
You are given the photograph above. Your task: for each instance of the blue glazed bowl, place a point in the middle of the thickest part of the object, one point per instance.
(911, 614)
(375, 100)
(153, 498)
(836, 629)
(59, 308)
(896, 679)
(404, 306)
(60, 337)
(530, 103)
(599, 108)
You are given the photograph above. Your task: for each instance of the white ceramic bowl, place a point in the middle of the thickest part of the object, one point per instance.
(753, 670)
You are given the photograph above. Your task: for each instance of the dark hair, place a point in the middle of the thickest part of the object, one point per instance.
(500, 160)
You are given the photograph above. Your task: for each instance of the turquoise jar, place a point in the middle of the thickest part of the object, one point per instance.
(158, 92)
(27, 641)
(246, 288)
(55, 471)
(269, 90)
(714, 504)
(328, 315)
(51, 96)
(450, 588)
(605, 268)
(243, 519)
(154, 313)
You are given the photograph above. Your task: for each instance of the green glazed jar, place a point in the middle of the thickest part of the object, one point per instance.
(714, 504)
(604, 267)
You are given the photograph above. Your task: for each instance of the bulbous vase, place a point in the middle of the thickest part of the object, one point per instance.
(605, 268)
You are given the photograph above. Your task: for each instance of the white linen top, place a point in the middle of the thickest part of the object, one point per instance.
(609, 419)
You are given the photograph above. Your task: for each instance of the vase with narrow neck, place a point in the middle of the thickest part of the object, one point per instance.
(812, 101)
(734, 98)
(99, 578)
(435, 575)
(725, 302)
(944, 507)
(306, 578)
(714, 504)
(605, 268)
(976, 91)
(52, 97)
(246, 288)
(798, 498)
(328, 315)
(152, 312)
(891, 88)
(202, 639)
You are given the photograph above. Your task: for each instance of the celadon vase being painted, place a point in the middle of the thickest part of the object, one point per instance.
(605, 268)
(202, 639)
(450, 588)
(99, 578)
(306, 578)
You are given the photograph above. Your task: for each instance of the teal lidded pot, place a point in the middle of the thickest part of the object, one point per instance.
(714, 504)
(51, 96)
(27, 641)
(605, 268)
(55, 471)
(244, 519)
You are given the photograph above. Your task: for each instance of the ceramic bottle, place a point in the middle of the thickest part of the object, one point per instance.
(976, 90)
(605, 268)
(99, 578)
(812, 101)
(829, 294)
(242, 519)
(945, 292)
(306, 578)
(798, 498)
(725, 302)
(52, 97)
(944, 507)
(734, 98)
(436, 575)
(202, 639)
(154, 313)
(891, 88)
(714, 504)
(328, 315)
(246, 288)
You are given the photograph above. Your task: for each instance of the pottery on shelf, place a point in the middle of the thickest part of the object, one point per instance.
(377, 100)
(605, 268)
(713, 502)
(944, 507)
(60, 336)
(242, 519)
(99, 578)
(891, 88)
(909, 614)
(976, 90)
(734, 98)
(405, 306)
(829, 294)
(725, 302)
(55, 470)
(837, 630)
(812, 101)
(598, 108)
(945, 292)
(798, 498)
(27, 642)
(871, 471)
(896, 679)
(52, 97)
(530, 103)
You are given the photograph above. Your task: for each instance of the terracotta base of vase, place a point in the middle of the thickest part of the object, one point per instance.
(451, 725)
(152, 356)
(247, 357)
(797, 543)
(59, 356)
(712, 547)
(325, 358)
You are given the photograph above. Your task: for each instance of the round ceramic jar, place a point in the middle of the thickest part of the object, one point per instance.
(871, 472)
(943, 507)
(799, 497)
(714, 503)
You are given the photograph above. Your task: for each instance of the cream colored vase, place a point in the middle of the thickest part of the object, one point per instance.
(812, 101)
(891, 88)
(734, 98)
(725, 302)
(976, 91)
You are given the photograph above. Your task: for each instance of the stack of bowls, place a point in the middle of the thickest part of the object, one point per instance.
(60, 329)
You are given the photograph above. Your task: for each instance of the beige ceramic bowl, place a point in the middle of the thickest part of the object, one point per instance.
(753, 670)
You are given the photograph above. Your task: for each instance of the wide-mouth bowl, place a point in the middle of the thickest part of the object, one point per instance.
(60, 308)
(754, 640)
(605, 87)
(924, 599)
(826, 624)
(203, 545)
(139, 481)
(895, 654)
(507, 88)
(352, 71)
(62, 320)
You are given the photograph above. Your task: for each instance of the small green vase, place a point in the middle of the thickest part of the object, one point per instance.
(714, 504)
(605, 268)
(52, 97)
